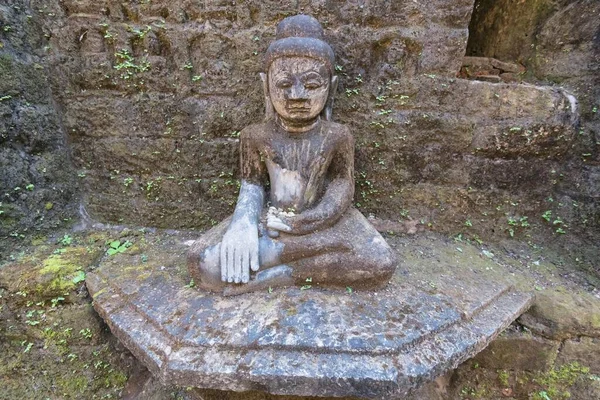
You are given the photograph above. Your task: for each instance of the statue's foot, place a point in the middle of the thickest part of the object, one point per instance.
(205, 270)
(279, 276)
(269, 252)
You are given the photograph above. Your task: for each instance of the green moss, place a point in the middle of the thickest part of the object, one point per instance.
(58, 345)
(556, 382)
(61, 363)
(39, 240)
(480, 392)
(503, 378)
(595, 320)
(72, 386)
(59, 271)
(115, 380)
(7, 71)
(10, 216)
(49, 271)
(57, 340)
(98, 293)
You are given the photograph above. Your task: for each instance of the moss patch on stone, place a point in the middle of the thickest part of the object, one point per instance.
(51, 338)
(555, 383)
(571, 381)
(50, 270)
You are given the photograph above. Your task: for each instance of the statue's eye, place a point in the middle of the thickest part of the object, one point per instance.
(284, 84)
(313, 84)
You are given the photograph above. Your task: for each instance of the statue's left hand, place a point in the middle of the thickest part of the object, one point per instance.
(239, 252)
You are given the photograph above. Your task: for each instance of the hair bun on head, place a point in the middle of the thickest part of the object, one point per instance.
(300, 26)
(300, 36)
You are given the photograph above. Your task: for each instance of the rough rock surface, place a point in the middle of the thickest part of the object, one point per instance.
(585, 350)
(152, 96)
(518, 351)
(561, 314)
(37, 180)
(155, 94)
(52, 342)
(328, 343)
(558, 44)
(480, 68)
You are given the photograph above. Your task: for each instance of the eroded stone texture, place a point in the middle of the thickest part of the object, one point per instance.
(37, 181)
(207, 58)
(584, 350)
(315, 342)
(557, 43)
(560, 314)
(518, 351)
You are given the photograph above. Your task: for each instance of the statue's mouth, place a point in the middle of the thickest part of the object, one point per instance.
(297, 109)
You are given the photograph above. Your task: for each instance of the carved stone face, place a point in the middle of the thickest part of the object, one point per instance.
(298, 87)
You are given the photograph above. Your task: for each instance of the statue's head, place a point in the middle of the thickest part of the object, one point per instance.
(299, 82)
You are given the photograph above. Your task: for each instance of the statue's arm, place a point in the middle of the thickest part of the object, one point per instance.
(338, 193)
(239, 247)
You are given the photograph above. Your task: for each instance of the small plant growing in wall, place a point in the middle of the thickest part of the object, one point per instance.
(516, 223)
(116, 247)
(66, 240)
(128, 65)
(139, 34)
(556, 222)
(106, 34)
(86, 333)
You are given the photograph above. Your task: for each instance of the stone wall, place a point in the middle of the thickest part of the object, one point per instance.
(568, 54)
(558, 43)
(152, 96)
(37, 185)
(155, 93)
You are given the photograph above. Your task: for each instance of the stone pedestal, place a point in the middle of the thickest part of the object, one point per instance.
(312, 342)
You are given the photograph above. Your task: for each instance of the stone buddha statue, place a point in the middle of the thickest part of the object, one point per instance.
(294, 222)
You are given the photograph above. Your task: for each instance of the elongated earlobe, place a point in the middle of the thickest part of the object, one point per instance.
(328, 110)
(269, 110)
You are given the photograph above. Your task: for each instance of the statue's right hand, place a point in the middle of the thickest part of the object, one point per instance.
(239, 252)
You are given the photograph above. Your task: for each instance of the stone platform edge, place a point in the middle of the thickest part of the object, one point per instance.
(299, 372)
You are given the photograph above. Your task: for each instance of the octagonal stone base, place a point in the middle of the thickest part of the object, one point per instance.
(316, 342)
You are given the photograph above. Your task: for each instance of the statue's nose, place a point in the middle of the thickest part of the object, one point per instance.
(297, 92)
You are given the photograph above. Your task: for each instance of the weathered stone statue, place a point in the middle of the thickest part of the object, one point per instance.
(294, 222)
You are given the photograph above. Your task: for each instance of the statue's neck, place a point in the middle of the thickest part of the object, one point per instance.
(297, 127)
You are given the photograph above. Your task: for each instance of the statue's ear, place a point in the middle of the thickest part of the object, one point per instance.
(269, 110)
(329, 106)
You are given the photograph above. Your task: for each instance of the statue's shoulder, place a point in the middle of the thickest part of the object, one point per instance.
(340, 131)
(254, 131)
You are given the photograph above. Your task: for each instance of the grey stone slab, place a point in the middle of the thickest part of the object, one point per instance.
(317, 342)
